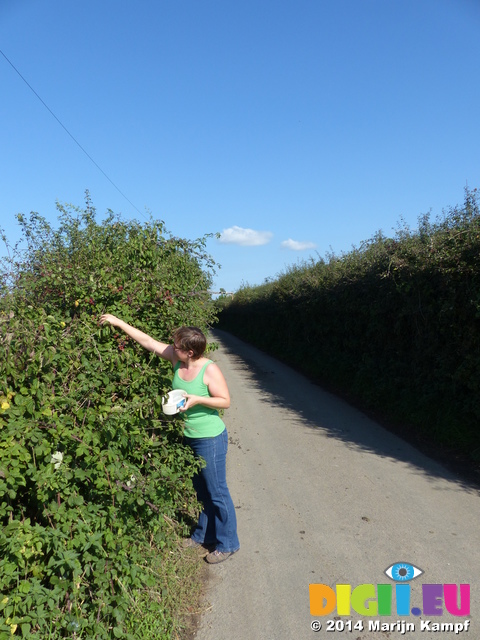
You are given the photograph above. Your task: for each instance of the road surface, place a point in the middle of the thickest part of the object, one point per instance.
(324, 495)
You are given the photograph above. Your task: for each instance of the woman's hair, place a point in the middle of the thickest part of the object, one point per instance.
(190, 339)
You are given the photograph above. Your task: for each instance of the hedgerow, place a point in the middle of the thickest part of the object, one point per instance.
(95, 483)
(395, 323)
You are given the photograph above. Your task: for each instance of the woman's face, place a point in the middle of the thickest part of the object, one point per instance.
(182, 354)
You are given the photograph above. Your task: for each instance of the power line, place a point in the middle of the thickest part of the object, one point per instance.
(71, 136)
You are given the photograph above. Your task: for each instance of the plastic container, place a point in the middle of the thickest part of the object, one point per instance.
(173, 402)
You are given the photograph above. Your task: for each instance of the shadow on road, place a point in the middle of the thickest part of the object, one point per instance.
(319, 409)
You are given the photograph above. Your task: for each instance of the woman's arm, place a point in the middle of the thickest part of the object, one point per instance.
(161, 349)
(217, 388)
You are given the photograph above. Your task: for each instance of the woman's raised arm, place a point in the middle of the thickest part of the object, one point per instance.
(161, 349)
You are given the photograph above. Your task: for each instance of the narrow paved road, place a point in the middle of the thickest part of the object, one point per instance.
(325, 495)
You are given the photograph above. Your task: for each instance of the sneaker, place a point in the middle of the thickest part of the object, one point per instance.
(218, 556)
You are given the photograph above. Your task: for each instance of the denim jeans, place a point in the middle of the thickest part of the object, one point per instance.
(217, 524)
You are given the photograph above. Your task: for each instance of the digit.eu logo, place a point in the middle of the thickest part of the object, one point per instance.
(377, 600)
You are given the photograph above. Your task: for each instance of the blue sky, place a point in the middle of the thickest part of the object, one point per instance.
(293, 128)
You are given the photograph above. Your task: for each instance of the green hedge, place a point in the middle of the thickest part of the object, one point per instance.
(95, 484)
(395, 323)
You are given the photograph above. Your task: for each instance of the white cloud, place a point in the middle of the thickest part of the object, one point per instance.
(245, 237)
(295, 245)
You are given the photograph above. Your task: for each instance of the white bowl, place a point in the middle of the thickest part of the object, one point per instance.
(173, 401)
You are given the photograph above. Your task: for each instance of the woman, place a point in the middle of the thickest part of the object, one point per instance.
(206, 392)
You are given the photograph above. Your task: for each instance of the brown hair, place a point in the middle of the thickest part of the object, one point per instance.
(191, 339)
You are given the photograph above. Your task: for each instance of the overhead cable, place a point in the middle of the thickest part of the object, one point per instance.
(71, 136)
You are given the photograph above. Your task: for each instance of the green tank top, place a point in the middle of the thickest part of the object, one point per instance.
(200, 421)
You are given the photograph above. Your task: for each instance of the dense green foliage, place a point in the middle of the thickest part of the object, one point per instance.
(95, 484)
(395, 323)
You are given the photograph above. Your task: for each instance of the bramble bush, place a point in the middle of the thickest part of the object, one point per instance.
(394, 323)
(95, 484)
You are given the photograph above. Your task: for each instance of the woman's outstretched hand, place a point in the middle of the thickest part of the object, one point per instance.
(107, 317)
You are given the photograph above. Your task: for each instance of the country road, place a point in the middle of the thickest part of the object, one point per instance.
(324, 495)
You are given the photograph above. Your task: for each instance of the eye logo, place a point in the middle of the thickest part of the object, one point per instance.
(403, 572)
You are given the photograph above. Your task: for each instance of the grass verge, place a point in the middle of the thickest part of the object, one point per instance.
(171, 609)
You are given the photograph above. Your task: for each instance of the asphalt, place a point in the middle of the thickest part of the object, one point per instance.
(325, 495)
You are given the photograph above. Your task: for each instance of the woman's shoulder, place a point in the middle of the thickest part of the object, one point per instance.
(204, 364)
(211, 369)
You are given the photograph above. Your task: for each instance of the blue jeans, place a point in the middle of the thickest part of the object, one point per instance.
(217, 524)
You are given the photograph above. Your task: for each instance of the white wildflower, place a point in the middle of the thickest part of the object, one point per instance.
(57, 459)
